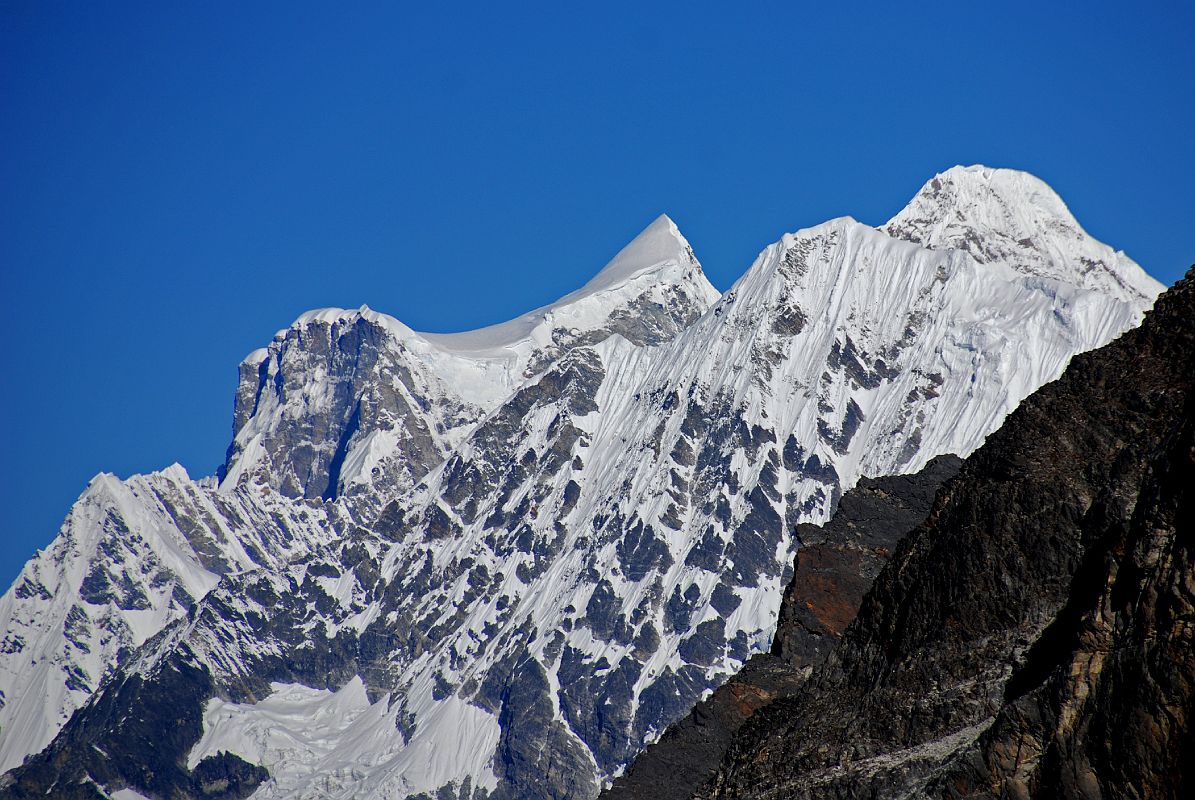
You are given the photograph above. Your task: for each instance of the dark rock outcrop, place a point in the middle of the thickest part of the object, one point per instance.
(834, 567)
(1035, 636)
(838, 561)
(688, 753)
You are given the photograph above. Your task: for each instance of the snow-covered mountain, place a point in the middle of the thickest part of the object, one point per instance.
(345, 398)
(341, 402)
(498, 563)
(1012, 218)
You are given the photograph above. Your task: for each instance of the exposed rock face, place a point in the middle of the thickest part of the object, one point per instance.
(838, 561)
(355, 402)
(1035, 637)
(331, 388)
(835, 565)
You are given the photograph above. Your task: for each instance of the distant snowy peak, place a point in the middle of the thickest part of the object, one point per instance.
(344, 399)
(649, 291)
(657, 247)
(1009, 217)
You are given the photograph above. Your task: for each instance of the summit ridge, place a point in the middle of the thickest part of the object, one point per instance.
(1013, 219)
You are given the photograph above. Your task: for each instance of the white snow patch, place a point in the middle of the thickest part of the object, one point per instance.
(127, 794)
(320, 743)
(295, 725)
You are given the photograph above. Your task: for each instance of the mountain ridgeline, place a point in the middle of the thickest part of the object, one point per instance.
(499, 564)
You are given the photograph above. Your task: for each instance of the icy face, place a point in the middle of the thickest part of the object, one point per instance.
(1008, 217)
(323, 740)
(614, 539)
(541, 542)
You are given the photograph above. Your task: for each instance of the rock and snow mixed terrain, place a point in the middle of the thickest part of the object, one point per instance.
(1033, 635)
(131, 557)
(500, 562)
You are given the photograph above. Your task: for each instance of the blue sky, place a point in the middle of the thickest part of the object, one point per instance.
(178, 181)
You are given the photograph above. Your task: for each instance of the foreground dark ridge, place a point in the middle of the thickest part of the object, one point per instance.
(833, 569)
(1035, 637)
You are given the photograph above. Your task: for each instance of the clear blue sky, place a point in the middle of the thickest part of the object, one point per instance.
(178, 181)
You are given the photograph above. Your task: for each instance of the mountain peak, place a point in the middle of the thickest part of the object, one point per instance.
(1012, 218)
(602, 493)
(992, 190)
(659, 243)
(658, 251)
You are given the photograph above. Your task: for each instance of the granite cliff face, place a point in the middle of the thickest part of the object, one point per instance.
(499, 563)
(1035, 636)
